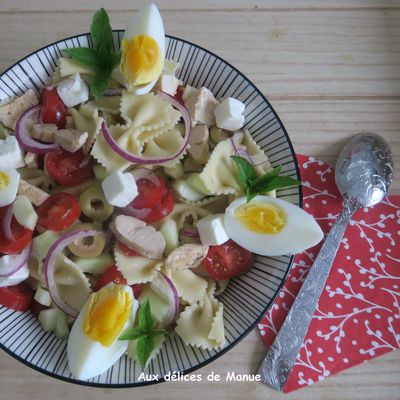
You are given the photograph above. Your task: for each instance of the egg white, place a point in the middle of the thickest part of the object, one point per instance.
(88, 358)
(300, 232)
(147, 21)
(9, 193)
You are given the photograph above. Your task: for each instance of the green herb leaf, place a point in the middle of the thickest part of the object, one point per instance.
(99, 83)
(131, 334)
(281, 182)
(246, 172)
(101, 33)
(261, 182)
(157, 332)
(85, 56)
(144, 346)
(145, 319)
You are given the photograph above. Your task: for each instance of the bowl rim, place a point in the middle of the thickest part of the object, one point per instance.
(257, 320)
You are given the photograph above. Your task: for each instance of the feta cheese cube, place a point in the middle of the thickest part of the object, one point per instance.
(15, 278)
(11, 154)
(168, 83)
(31, 160)
(211, 230)
(229, 114)
(73, 91)
(120, 188)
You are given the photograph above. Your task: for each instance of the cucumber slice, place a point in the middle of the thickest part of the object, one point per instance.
(197, 183)
(100, 172)
(41, 244)
(184, 190)
(48, 319)
(159, 307)
(169, 230)
(61, 329)
(24, 212)
(42, 296)
(175, 172)
(95, 265)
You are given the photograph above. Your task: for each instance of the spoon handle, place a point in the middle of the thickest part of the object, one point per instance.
(281, 356)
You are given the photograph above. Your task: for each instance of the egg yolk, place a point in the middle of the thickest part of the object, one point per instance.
(4, 180)
(107, 313)
(141, 60)
(261, 217)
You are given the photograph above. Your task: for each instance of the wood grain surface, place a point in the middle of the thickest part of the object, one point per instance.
(331, 68)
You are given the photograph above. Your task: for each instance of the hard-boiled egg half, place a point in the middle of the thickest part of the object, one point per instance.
(271, 227)
(93, 344)
(9, 181)
(143, 50)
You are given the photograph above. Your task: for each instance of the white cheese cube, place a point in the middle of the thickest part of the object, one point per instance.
(11, 154)
(168, 83)
(73, 91)
(229, 114)
(13, 279)
(119, 188)
(211, 230)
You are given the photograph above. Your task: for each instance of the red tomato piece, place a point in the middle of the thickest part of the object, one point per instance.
(58, 212)
(227, 260)
(17, 297)
(53, 109)
(127, 250)
(162, 209)
(149, 194)
(68, 169)
(111, 274)
(22, 236)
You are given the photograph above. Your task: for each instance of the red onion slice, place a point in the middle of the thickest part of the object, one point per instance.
(24, 138)
(152, 160)
(7, 223)
(49, 263)
(145, 173)
(191, 234)
(13, 263)
(135, 212)
(164, 287)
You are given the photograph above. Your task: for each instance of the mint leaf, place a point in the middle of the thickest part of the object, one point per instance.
(145, 319)
(101, 33)
(131, 334)
(157, 332)
(99, 83)
(246, 171)
(144, 346)
(261, 182)
(85, 56)
(281, 182)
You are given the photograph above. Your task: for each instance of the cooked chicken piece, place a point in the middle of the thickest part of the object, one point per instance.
(70, 139)
(135, 234)
(201, 106)
(186, 256)
(31, 160)
(199, 144)
(35, 195)
(44, 132)
(9, 113)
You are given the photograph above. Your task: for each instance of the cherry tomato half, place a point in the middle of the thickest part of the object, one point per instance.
(111, 274)
(58, 212)
(17, 297)
(127, 250)
(149, 194)
(68, 169)
(162, 209)
(22, 236)
(53, 109)
(227, 260)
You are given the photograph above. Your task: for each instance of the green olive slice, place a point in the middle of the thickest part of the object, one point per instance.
(94, 204)
(88, 247)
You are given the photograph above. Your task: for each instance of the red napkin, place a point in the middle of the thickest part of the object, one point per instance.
(358, 316)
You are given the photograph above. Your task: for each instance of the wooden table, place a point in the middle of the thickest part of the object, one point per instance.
(331, 68)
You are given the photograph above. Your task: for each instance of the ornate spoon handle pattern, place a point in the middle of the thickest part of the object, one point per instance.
(281, 356)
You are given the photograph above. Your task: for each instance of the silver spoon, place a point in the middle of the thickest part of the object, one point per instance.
(364, 171)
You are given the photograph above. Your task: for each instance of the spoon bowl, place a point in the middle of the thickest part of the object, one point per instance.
(364, 169)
